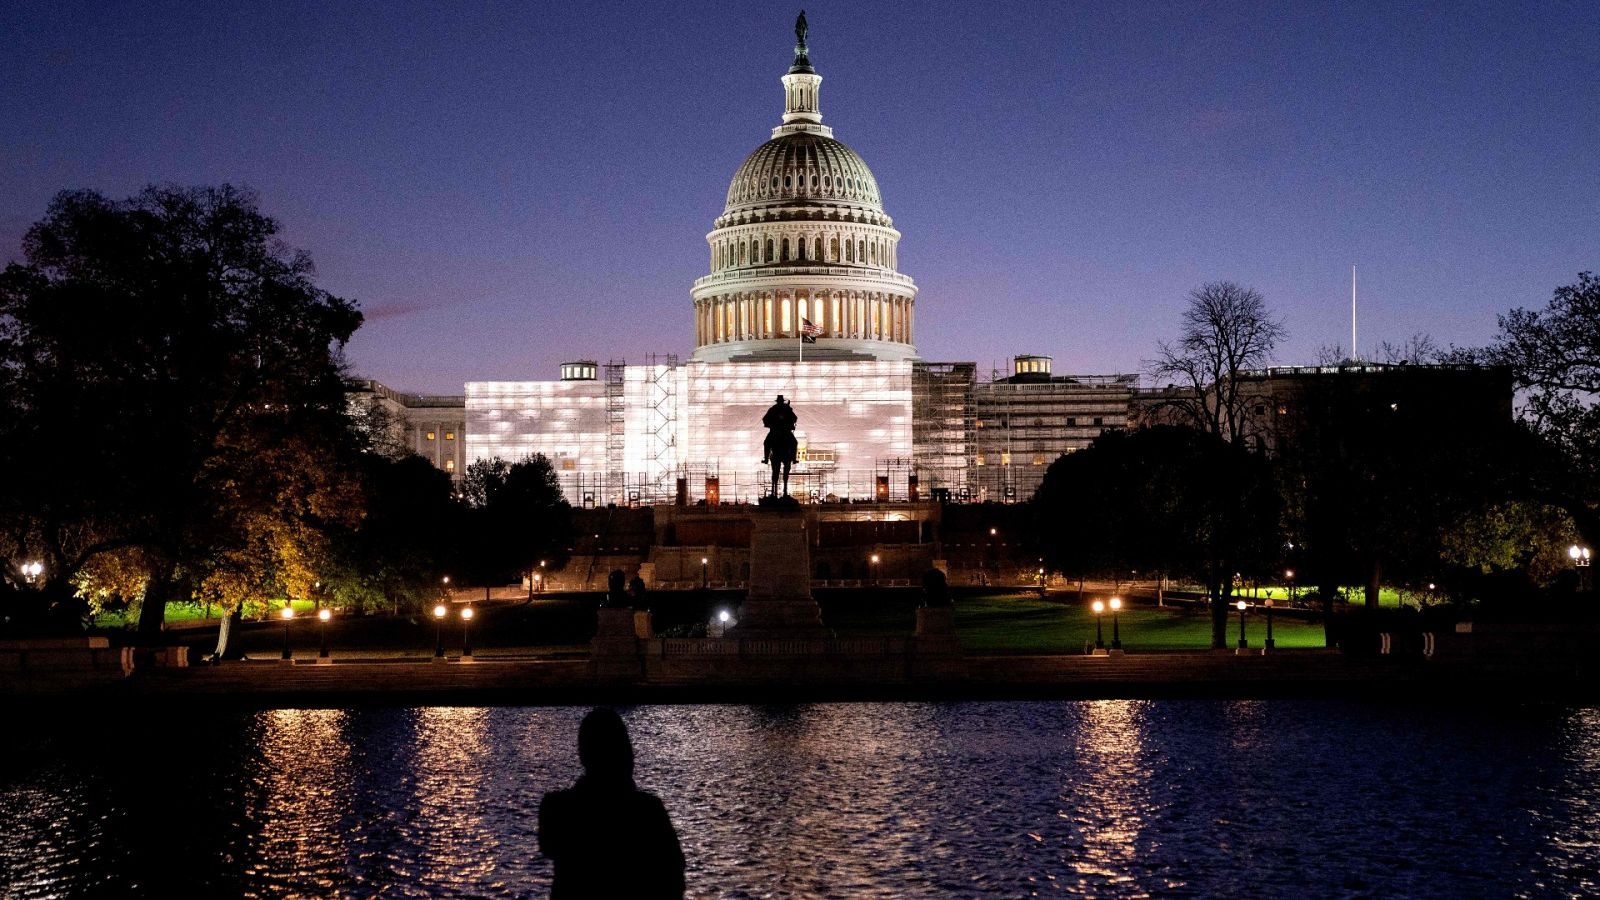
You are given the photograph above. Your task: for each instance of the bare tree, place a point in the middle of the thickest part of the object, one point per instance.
(1227, 332)
(1419, 350)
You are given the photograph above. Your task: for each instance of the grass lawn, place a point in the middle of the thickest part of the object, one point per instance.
(988, 623)
(1388, 597)
(194, 612)
(1022, 623)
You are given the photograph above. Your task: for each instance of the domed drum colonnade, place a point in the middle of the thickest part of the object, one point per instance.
(777, 314)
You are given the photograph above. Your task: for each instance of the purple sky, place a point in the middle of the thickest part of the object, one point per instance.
(503, 187)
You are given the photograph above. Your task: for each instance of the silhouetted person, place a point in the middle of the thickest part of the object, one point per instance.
(606, 837)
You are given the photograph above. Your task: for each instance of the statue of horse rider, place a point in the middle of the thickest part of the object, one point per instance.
(781, 448)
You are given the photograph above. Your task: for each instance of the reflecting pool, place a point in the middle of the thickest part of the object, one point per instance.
(1093, 798)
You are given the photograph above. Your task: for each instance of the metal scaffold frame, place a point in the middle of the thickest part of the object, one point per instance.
(664, 416)
(616, 425)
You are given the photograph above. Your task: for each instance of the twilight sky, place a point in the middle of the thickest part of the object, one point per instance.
(506, 186)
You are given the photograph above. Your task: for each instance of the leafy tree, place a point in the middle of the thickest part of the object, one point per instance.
(1166, 499)
(1511, 536)
(517, 516)
(1554, 354)
(173, 400)
(397, 556)
(1227, 332)
(1379, 466)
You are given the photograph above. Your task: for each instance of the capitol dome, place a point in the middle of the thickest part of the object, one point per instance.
(803, 245)
(803, 166)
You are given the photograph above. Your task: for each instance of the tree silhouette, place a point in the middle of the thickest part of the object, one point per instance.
(173, 403)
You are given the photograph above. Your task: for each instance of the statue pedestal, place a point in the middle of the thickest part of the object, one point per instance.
(614, 652)
(779, 604)
(936, 651)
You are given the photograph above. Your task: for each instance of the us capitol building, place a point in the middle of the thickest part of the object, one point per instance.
(804, 299)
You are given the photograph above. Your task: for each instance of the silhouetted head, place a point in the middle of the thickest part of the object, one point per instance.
(780, 398)
(603, 745)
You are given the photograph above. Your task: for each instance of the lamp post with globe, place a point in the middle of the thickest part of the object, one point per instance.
(1580, 557)
(439, 612)
(323, 615)
(287, 614)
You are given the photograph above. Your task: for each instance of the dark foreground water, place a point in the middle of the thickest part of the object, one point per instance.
(1105, 798)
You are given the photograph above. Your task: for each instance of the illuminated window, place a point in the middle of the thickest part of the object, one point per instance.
(432, 436)
(981, 460)
(1283, 410)
(1038, 459)
(449, 435)
(568, 465)
(1005, 458)
(449, 465)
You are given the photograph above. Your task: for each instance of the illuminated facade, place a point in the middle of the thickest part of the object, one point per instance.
(431, 426)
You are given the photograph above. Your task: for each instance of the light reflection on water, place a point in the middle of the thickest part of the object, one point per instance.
(1098, 798)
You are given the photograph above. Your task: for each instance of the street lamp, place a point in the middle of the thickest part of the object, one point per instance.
(1580, 561)
(538, 582)
(1099, 636)
(439, 612)
(466, 633)
(1270, 642)
(287, 614)
(705, 572)
(874, 569)
(1041, 581)
(31, 571)
(1116, 633)
(323, 615)
(723, 618)
(540, 577)
(1289, 574)
(1241, 606)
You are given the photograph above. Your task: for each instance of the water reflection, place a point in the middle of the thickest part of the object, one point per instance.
(302, 799)
(453, 764)
(1111, 798)
(1106, 791)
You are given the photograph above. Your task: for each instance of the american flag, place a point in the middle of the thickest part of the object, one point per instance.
(808, 331)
